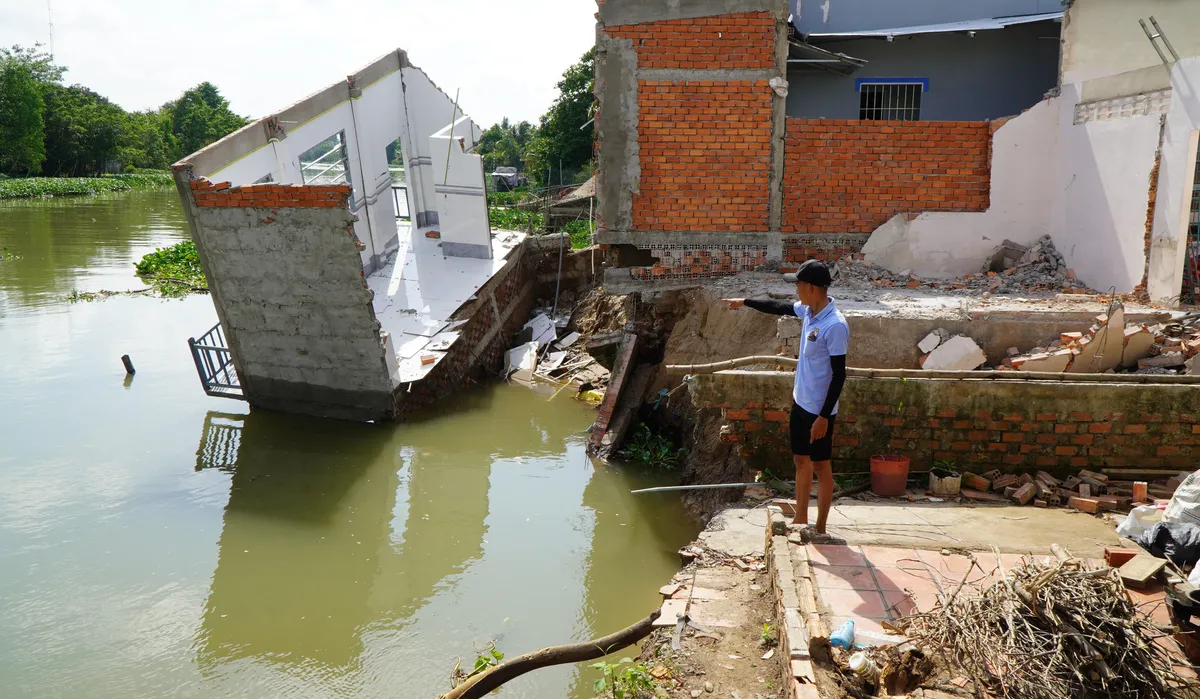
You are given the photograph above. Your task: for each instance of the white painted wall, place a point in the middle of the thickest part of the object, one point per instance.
(460, 193)
(1099, 222)
(938, 244)
(1168, 242)
(1103, 38)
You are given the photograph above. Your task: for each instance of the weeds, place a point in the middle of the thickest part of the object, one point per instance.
(767, 637)
(174, 271)
(618, 682)
(27, 187)
(514, 219)
(5, 255)
(654, 450)
(489, 658)
(581, 233)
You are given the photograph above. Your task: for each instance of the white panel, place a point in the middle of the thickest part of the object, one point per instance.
(461, 197)
(1168, 243)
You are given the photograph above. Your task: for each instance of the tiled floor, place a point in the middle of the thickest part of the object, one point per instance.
(870, 584)
(418, 290)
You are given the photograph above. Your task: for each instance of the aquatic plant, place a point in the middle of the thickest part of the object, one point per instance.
(651, 448)
(32, 187)
(174, 271)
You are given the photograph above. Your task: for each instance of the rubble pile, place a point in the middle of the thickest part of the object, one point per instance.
(1010, 269)
(545, 352)
(1112, 346)
(1086, 491)
(1049, 628)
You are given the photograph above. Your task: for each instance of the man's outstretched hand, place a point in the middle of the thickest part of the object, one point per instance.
(735, 304)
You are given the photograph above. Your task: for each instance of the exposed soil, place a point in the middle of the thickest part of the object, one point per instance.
(726, 660)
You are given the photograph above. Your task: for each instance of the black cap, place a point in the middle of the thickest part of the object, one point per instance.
(813, 272)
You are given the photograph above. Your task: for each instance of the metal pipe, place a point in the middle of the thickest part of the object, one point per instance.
(1163, 35)
(1162, 56)
(669, 488)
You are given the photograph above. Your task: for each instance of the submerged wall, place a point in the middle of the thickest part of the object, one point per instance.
(976, 424)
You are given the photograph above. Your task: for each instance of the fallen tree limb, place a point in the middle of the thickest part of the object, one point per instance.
(730, 364)
(483, 684)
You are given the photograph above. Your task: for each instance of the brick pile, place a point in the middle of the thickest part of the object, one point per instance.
(847, 176)
(269, 196)
(1086, 491)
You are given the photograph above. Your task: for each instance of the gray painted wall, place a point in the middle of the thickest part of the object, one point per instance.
(859, 15)
(995, 74)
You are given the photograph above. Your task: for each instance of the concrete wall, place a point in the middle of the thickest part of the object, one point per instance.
(1102, 38)
(286, 277)
(1177, 168)
(995, 74)
(977, 425)
(860, 15)
(1099, 224)
(1023, 195)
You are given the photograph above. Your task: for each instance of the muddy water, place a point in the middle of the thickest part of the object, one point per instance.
(157, 542)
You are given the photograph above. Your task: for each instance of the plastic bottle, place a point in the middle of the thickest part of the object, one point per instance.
(862, 666)
(843, 636)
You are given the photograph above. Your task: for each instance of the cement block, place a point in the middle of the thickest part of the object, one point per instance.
(930, 343)
(956, 354)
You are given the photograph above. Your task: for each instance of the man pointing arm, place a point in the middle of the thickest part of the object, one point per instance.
(820, 376)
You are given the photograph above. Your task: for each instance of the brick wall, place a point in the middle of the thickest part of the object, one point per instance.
(737, 41)
(844, 176)
(271, 196)
(1012, 426)
(705, 151)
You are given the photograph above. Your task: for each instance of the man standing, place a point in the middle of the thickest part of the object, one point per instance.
(820, 376)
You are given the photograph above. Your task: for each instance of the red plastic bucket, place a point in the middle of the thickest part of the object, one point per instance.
(889, 474)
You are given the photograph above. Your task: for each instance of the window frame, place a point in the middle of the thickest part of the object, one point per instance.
(860, 83)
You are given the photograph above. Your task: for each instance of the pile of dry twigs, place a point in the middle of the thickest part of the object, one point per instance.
(1048, 630)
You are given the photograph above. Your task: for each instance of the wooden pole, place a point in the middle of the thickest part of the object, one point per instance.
(128, 364)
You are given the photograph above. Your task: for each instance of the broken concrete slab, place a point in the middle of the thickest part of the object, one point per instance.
(1106, 348)
(956, 354)
(1168, 360)
(930, 343)
(1138, 341)
(1051, 362)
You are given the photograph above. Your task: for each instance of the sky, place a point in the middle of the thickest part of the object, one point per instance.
(504, 55)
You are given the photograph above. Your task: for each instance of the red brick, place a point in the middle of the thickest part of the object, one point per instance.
(737, 414)
(1100, 428)
(1084, 504)
(1066, 429)
(1081, 417)
(1014, 437)
(1136, 429)
(775, 415)
(1066, 451)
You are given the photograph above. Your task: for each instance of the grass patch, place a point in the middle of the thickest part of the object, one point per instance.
(514, 219)
(174, 271)
(581, 233)
(653, 449)
(32, 187)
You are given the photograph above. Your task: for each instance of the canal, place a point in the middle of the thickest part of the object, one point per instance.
(157, 542)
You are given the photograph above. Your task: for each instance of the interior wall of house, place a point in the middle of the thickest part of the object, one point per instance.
(1177, 169)
(1103, 38)
(993, 74)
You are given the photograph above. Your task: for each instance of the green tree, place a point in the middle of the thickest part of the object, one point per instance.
(147, 141)
(83, 130)
(38, 62)
(200, 117)
(504, 144)
(562, 140)
(22, 140)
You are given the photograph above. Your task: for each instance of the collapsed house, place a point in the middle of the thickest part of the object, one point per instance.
(348, 251)
(731, 139)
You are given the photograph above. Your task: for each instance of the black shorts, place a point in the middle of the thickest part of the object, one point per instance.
(801, 429)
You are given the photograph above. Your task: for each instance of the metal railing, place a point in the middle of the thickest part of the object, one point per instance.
(214, 364)
(219, 442)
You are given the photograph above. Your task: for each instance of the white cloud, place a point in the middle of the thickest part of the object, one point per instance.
(504, 55)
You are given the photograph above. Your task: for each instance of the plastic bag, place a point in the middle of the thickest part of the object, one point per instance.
(1137, 522)
(1185, 503)
(1180, 542)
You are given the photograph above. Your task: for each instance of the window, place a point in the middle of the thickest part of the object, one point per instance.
(891, 99)
(326, 162)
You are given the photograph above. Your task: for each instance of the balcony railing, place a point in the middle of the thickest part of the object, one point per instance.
(214, 364)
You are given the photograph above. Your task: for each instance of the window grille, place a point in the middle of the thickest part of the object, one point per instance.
(890, 101)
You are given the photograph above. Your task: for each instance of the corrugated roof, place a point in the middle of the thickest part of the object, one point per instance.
(974, 25)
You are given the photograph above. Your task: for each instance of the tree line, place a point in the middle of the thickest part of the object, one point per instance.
(558, 150)
(51, 129)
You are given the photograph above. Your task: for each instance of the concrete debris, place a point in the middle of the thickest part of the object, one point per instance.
(1111, 346)
(521, 361)
(956, 354)
(1010, 269)
(540, 329)
(930, 343)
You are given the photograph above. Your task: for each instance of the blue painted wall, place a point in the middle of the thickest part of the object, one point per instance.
(995, 74)
(859, 15)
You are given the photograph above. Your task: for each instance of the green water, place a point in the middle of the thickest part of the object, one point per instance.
(156, 542)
